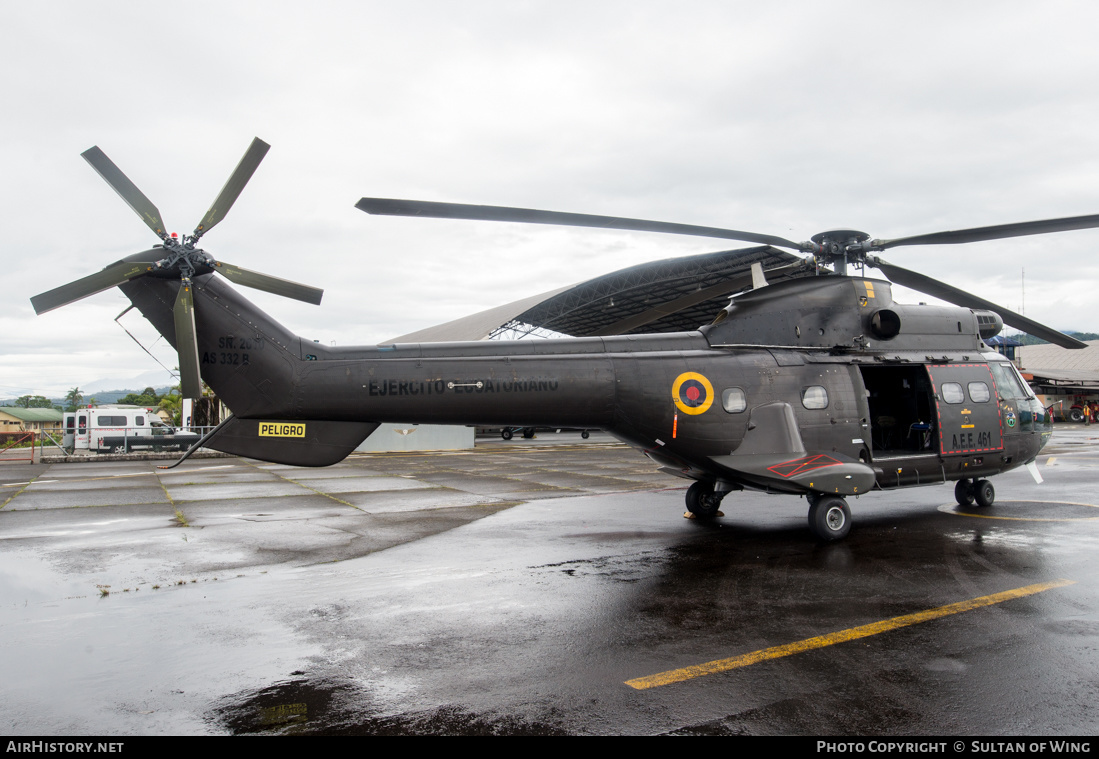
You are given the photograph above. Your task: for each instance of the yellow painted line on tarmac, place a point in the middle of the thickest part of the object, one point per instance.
(950, 508)
(822, 641)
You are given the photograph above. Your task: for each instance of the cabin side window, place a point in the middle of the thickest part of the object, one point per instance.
(978, 392)
(814, 397)
(733, 400)
(952, 392)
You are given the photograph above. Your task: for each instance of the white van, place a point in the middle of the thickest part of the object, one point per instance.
(120, 429)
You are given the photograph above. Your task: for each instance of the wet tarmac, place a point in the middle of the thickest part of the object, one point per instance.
(549, 586)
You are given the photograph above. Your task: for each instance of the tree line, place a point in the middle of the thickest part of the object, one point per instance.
(75, 398)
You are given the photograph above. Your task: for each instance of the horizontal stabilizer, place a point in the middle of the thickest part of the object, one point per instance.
(298, 442)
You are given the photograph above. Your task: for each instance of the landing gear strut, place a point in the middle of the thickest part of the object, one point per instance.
(702, 500)
(829, 517)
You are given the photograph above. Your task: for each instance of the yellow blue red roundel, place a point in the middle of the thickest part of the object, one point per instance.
(692, 393)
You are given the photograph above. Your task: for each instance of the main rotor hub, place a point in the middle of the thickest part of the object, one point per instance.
(840, 237)
(835, 245)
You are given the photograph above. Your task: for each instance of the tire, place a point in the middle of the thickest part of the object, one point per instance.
(702, 501)
(984, 493)
(506, 434)
(585, 434)
(528, 433)
(963, 493)
(1075, 415)
(830, 518)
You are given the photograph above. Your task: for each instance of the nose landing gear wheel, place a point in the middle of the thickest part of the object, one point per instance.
(984, 493)
(963, 492)
(830, 518)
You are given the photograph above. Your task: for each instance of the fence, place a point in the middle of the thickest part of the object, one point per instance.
(12, 443)
(127, 439)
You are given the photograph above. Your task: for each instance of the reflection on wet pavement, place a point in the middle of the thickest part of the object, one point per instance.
(515, 590)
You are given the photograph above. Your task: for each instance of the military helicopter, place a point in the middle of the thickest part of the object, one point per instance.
(821, 386)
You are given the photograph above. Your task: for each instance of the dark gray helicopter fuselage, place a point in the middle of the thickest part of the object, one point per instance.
(820, 367)
(818, 385)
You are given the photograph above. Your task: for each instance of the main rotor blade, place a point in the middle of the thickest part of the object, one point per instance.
(186, 342)
(126, 189)
(232, 189)
(995, 232)
(267, 283)
(110, 277)
(393, 207)
(950, 294)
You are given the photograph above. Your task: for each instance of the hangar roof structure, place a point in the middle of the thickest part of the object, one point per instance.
(669, 295)
(1067, 370)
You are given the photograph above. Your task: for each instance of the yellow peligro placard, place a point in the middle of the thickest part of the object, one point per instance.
(281, 429)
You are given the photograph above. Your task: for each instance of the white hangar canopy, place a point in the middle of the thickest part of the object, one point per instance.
(670, 295)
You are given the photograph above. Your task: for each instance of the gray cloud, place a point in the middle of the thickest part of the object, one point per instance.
(786, 118)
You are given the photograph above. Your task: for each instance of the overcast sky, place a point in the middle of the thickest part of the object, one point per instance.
(782, 118)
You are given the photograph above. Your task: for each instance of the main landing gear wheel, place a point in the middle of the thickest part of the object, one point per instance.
(830, 518)
(702, 501)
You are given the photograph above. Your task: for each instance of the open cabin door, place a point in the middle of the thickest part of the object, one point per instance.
(901, 403)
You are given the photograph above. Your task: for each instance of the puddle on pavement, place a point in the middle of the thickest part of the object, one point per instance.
(306, 707)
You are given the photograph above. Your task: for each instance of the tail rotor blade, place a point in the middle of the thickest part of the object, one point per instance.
(186, 342)
(232, 189)
(110, 277)
(126, 189)
(950, 294)
(270, 284)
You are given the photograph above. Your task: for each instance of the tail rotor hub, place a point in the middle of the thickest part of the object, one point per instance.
(182, 259)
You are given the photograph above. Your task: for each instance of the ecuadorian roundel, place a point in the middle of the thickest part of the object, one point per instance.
(692, 393)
